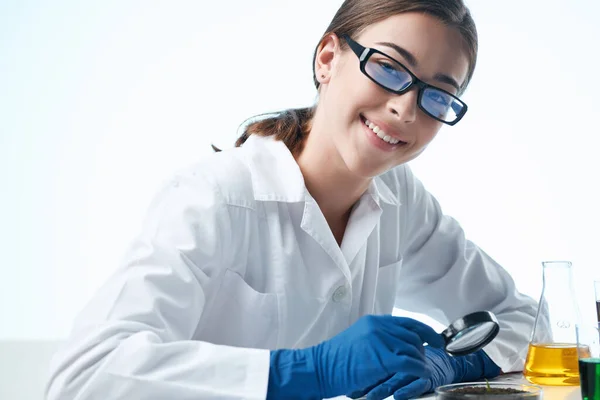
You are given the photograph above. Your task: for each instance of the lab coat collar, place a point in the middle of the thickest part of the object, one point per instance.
(382, 192)
(277, 177)
(275, 174)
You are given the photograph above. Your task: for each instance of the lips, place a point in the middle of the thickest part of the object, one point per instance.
(383, 133)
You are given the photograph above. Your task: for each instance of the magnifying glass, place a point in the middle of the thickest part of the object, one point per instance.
(470, 333)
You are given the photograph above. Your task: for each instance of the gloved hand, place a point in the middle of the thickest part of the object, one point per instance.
(445, 369)
(370, 351)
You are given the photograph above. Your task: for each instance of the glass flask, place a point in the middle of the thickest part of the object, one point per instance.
(552, 355)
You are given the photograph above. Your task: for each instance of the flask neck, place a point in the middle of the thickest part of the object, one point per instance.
(558, 312)
(557, 277)
(558, 293)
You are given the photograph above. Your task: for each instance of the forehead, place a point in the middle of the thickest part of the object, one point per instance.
(437, 48)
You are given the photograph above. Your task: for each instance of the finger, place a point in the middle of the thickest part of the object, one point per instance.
(425, 332)
(360, 393)
(405, 329)
(387, 388)
(408, 366)
(413, 389)
(404, 342)
(402, 337)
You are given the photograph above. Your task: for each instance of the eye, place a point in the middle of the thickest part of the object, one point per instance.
(439, 98)
(388, 67)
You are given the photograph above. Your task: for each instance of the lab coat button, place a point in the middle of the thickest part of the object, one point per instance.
(339, 294)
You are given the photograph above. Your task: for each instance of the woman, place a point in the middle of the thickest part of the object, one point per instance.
(271, 270)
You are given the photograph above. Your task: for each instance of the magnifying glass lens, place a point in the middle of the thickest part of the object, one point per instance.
(470, 333)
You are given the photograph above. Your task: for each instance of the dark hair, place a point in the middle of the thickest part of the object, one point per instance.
(292, 126)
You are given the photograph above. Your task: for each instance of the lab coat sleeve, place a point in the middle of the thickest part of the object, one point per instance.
(446, 276)
(133, 340)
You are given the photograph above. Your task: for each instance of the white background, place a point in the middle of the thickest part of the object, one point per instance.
(100, 102)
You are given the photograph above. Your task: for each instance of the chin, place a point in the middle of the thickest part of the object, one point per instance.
(366, 168)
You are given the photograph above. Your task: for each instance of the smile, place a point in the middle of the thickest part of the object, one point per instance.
(380, 134)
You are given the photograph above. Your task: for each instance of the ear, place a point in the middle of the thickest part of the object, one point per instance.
(327, 55)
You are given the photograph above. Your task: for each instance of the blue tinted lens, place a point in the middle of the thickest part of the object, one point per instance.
(387, 72)
(441, 104)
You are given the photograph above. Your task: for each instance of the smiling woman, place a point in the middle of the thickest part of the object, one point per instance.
(271, 270)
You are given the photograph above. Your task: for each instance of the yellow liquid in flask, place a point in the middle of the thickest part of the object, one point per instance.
(554, 364)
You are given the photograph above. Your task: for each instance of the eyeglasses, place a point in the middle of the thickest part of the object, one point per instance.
(396, 78)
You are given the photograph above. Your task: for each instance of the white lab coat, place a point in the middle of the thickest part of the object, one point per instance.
(235, 258)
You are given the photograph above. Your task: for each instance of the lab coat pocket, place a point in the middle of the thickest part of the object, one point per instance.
(387, 286)
(240, 316)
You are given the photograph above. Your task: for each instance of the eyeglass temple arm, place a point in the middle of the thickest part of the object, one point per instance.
(356, 48)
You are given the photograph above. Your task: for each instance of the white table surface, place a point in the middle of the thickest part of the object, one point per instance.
(550, 392)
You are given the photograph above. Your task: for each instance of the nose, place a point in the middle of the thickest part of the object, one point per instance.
(404, 106)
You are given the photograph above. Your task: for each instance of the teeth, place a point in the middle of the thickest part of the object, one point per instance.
(380, 133)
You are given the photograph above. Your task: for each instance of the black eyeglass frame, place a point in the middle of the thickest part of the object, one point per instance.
(364, 53)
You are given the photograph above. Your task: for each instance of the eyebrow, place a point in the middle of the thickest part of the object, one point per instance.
(407, 55)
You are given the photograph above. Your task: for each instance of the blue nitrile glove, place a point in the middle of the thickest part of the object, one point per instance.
(445, 369)
(368, 352)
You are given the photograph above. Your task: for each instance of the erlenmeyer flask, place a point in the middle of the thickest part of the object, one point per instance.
(552, 356)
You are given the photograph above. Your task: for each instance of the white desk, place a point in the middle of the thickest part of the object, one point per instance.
(550, 392)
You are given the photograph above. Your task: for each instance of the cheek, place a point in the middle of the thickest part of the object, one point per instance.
(428, 129)
(355, 92)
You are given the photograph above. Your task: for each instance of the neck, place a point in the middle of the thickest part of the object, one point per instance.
(327, 177)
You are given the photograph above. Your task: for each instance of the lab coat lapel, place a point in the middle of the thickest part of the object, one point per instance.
(363, 220)
(365, 217)
(315, 225)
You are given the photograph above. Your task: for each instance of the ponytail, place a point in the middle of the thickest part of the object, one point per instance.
(290, 126)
